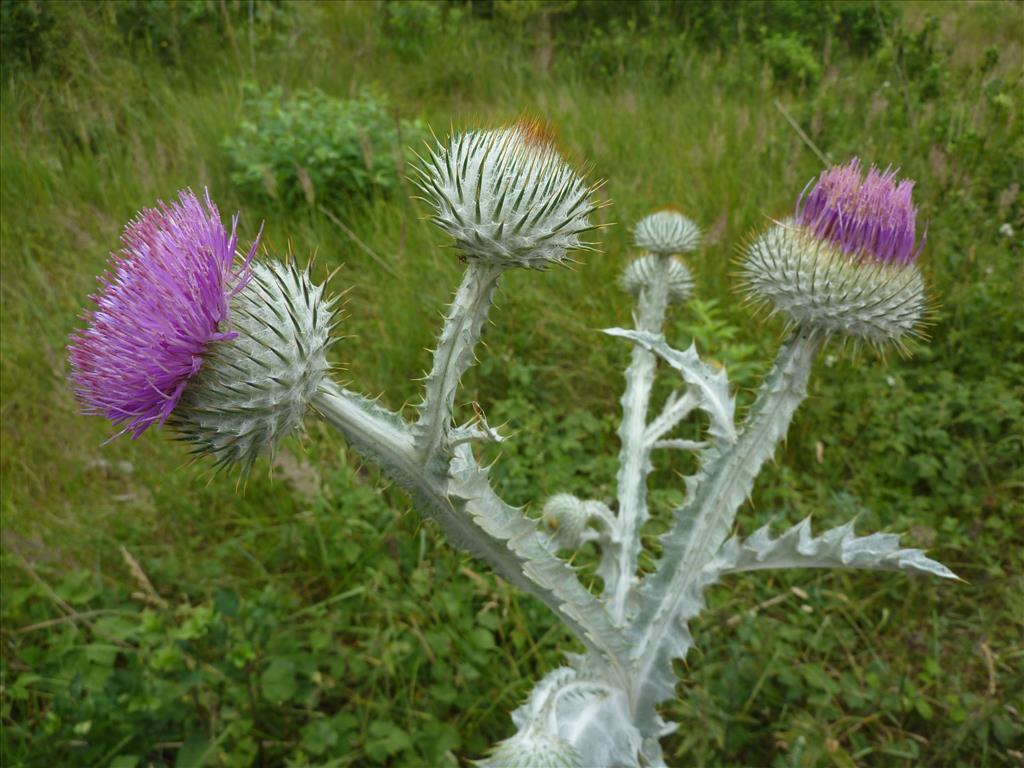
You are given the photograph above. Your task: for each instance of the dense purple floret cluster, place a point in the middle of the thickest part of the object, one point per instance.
(867, 217)
(163, 300)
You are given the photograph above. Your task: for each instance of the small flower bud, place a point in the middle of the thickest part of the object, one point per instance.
(532, 747)
(565, 517)
(641, 272)
(666, 233)
(846, 263)
(507, 196)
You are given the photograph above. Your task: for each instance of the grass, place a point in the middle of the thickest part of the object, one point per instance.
(309, 617)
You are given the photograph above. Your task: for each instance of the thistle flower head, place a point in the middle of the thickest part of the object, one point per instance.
(666, 233)
(846, 263)
(254, 389)
(642, 272)
(507, 196)
(185, 331)
(163, 300)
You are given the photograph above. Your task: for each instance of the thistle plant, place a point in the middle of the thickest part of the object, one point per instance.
(230, 351)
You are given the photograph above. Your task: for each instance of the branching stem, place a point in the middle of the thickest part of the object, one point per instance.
(634, 454)
(675, 410)
(381, 437)
(723, 485)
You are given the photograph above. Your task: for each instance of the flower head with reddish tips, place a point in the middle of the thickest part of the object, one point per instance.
(163, 300)
(868, 217)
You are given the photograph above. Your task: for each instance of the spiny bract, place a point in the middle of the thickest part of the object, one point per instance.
(666, 233)
(815, 284)
(254, 389)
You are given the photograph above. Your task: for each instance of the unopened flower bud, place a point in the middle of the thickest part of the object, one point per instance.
(508, 197)
(641, 273)
(565, 517)
(666, 233)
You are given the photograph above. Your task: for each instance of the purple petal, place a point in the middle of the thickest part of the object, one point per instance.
(163, 299)
(873, 216)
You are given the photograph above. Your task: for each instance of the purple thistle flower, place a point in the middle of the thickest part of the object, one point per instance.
(871, 217)
(163, 300)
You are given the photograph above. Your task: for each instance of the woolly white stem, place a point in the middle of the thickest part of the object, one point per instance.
(634, 455)
(454, 355)
(680, 445)
(704, 521)
(473, 518)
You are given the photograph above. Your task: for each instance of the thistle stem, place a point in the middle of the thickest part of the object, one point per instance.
(382, 437)
(454, 355)
(732, 478)
(634, 454)
(704, 521)
(379, 436)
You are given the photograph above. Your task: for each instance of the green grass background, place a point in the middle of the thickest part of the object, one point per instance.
(156, 614)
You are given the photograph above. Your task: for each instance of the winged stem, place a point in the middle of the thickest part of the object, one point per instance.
(703, 522)
(454, 354)
(635, 451)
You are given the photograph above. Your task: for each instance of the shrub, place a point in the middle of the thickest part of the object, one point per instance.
(412, 27)
(24, 28)
(790, 59)
(311, 146)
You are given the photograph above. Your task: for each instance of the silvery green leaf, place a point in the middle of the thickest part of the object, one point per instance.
(711, 386)
(609, 539)
(595, 720)
(591, 717)
(537, 703)
(478, 432)
(526, 552)
(836, 548)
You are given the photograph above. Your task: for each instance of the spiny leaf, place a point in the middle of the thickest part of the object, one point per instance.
(712, 386)
(836, 548)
